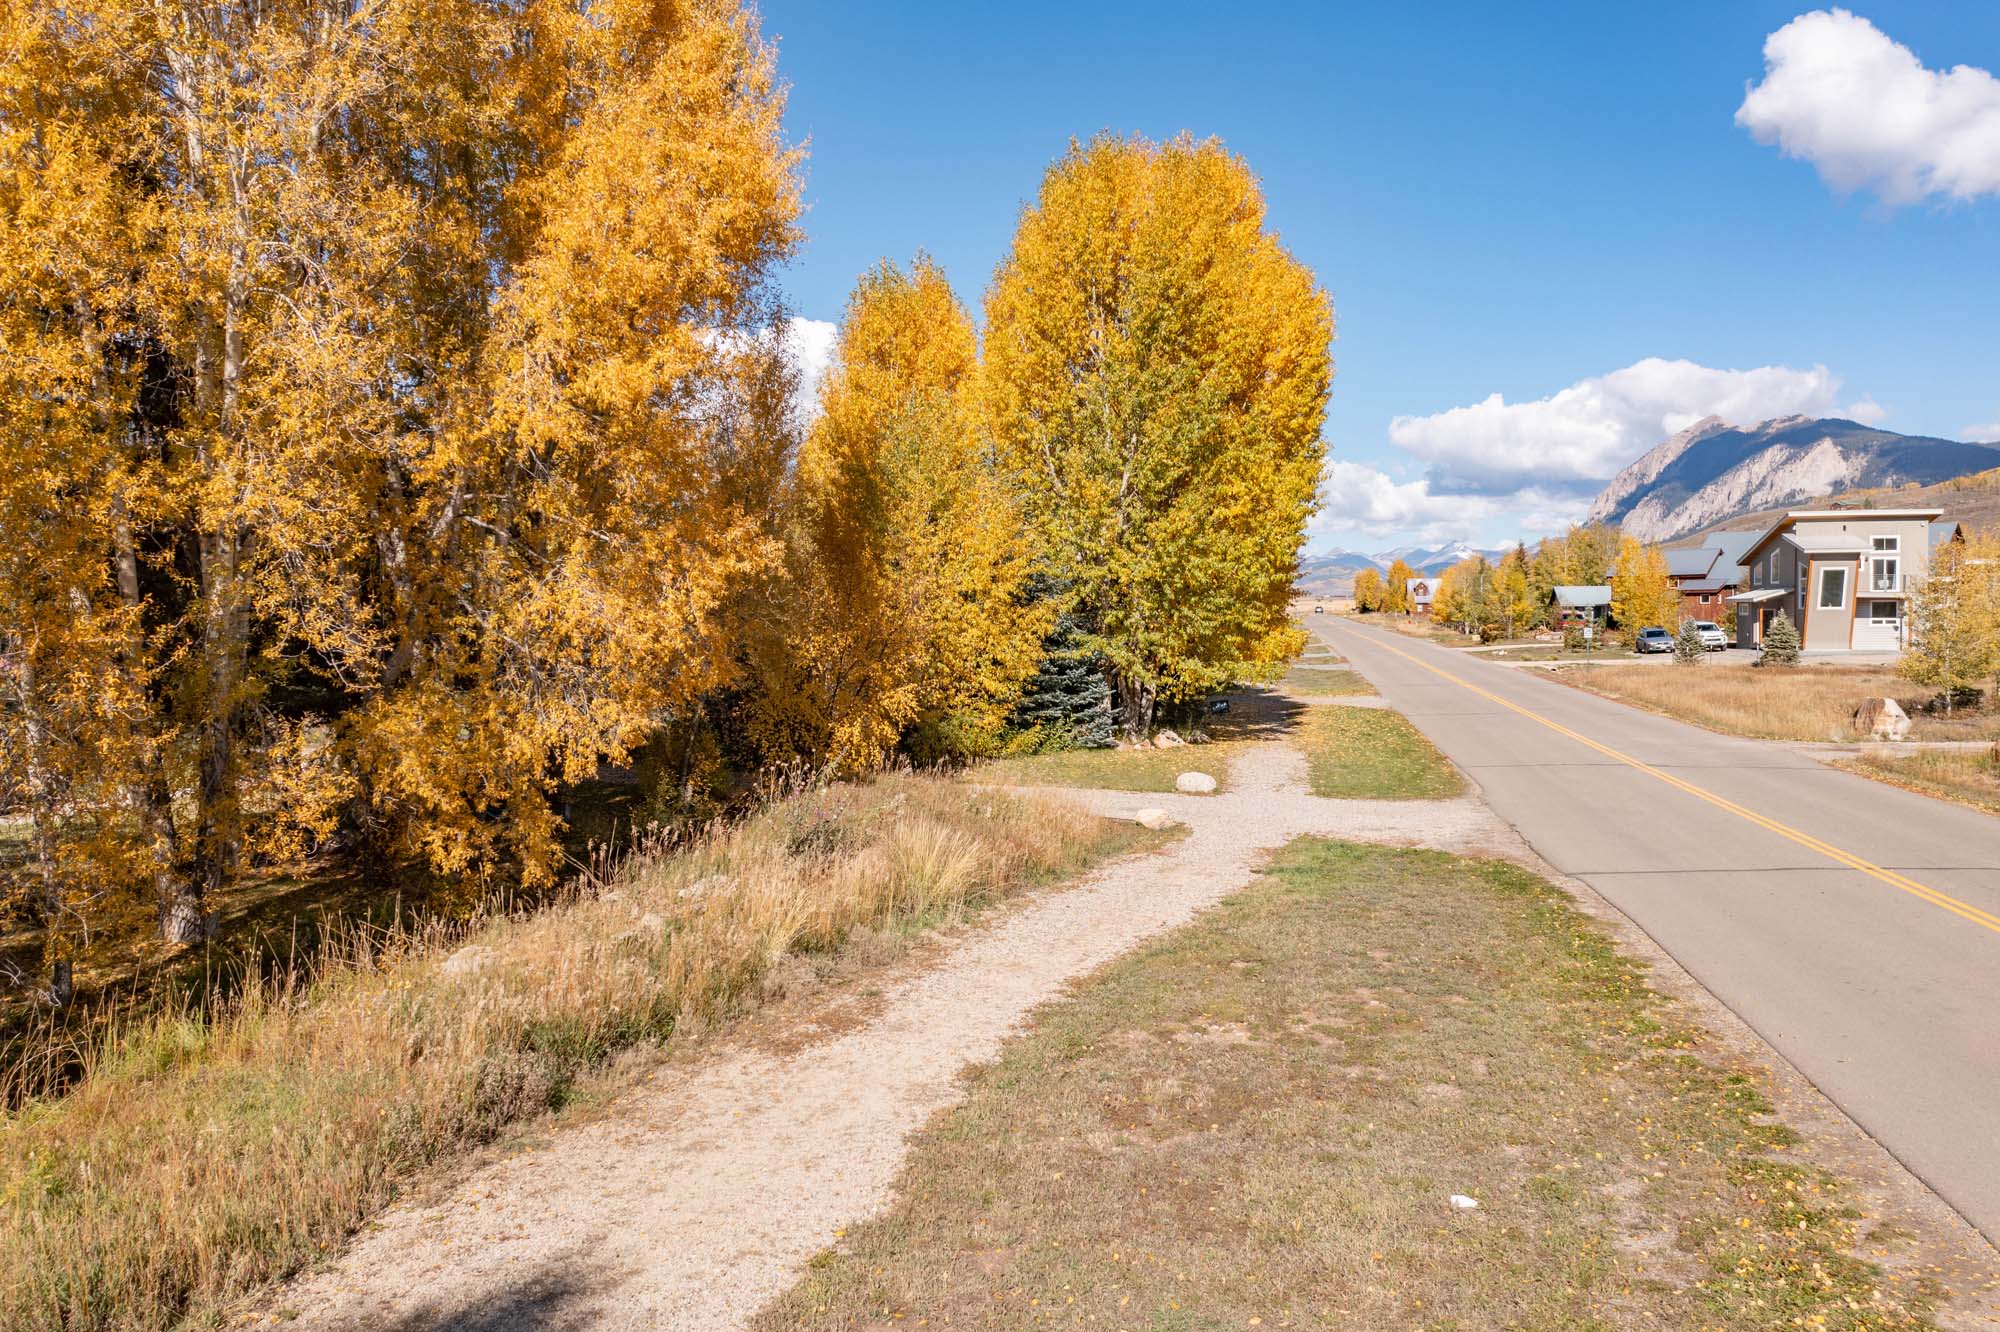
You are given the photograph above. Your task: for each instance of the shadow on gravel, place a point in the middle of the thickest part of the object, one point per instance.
(535, 1303)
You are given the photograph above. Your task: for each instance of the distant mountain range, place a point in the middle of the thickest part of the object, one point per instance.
(1332, 574)
(1713, 471)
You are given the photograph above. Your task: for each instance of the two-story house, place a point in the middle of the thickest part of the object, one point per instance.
(1842, 576)
(1706, 576)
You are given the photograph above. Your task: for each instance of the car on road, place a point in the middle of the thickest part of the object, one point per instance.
(1653, 639)
(1712, 636)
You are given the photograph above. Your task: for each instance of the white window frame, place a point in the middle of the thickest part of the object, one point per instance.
(1886, 550)
(1875, 616)
(1819, 593)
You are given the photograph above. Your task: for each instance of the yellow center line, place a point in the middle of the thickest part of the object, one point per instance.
(1898, 881)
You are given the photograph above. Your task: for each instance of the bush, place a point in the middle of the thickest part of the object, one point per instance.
(1689, 650)
(1781, 643)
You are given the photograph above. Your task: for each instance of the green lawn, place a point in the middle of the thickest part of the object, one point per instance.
(1310, 679)
(1258, 1122)
(1113, 769)
(1372, 754)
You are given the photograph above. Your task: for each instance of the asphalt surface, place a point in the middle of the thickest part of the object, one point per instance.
(1888, 1001)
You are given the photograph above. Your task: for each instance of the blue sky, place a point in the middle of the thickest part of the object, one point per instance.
(1499, 204)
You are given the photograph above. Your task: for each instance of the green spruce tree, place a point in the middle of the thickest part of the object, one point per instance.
(1068, 703)
(1781, 643)
(1689, 650)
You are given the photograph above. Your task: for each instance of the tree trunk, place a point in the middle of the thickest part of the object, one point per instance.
(149, 794)
(52, 907)
(1136, 701)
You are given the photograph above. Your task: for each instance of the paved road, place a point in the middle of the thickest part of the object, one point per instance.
(1887, 1000)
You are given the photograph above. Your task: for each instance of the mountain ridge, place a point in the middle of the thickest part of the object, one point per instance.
(1712, 473)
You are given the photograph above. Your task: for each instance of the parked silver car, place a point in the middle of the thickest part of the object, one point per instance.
(1653, 639)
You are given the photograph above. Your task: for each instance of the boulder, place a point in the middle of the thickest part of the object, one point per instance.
(467, 961)
(1156, 819)
(1195, 783)
(1882, 719)
(1167, 740)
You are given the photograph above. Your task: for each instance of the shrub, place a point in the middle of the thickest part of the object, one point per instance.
(1781, 643)
(1689, 650)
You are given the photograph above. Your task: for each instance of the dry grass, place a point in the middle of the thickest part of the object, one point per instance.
(1317, 679)
(201, 1157)
(1969, 776)
(1258, 1122)
(1373, 754)
(1806, 703)
(1113, 769)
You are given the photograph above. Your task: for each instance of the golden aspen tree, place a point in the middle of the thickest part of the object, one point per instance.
(906, 608)
(1157, 369)
(1396, 587)
(419, 421)
(1641, 592)
(1514, 600)
(1368, 591)
(1955, 620)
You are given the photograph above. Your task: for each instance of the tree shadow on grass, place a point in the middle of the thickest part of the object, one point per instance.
(1256, 712)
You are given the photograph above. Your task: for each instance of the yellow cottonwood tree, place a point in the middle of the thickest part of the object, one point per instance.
(906, 608)
(1641, 592)
(1368, 591)
(387, 378)
(1157, 368)
(1396, 586)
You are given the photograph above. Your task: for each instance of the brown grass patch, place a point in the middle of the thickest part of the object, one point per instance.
(1259, 1121)
(205, 1154)
(1803, 703)
(1968, 776)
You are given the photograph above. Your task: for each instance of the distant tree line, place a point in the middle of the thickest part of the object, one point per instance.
(1516, 594)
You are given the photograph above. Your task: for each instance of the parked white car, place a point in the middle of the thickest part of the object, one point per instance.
(1712, 636)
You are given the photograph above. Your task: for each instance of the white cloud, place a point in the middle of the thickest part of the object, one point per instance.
(1361, 500)
(1982, 434)
(812, 345)
(1867, 411)
(1838, 93)
(1580, 437)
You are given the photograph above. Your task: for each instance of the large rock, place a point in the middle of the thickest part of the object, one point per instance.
(1195, 783)
(1882, 719)
(1167, 740)
(468, 961)
(1156, 819)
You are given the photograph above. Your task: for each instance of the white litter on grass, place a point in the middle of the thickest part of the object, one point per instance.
(1463, 1203)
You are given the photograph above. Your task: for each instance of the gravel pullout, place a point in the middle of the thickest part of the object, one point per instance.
(698, 1198)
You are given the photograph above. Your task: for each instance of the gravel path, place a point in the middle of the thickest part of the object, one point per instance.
(699, 1197)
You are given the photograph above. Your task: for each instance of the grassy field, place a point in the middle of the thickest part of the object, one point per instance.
(1314, 679)
(204, 1154)
(1417, 626)
(1259, 1123)
(1253, 715)
(1969, 776)
(1372, 754)
(1112, 769)
(1806, 703)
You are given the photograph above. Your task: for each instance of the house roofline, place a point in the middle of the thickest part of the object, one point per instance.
(1816, 515)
